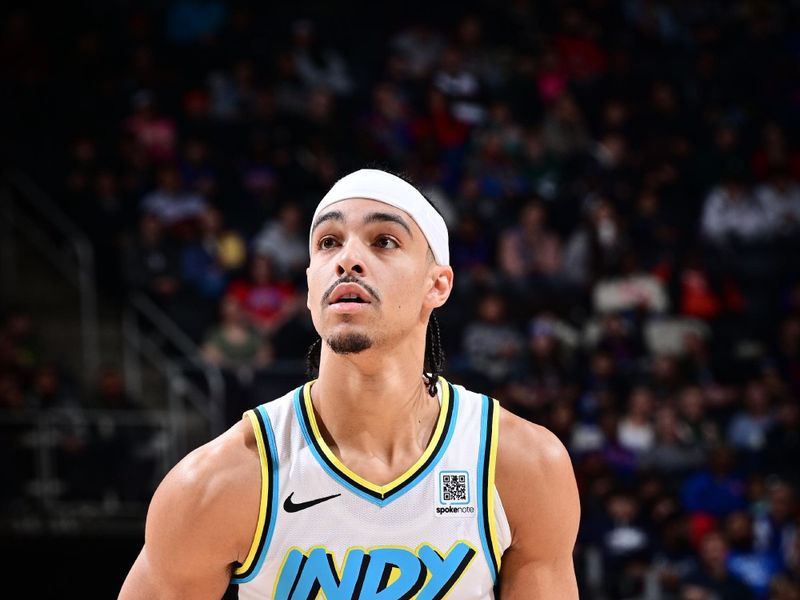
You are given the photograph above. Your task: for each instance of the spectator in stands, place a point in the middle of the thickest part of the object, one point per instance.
(564, 130)
(625, 544)
(702, 432)
(197, 169)
(597, 246)
(754, 566)
(234, 345)
(712, 575)
(232, 92)
(529, 252)
(460, 86)
(387, 128)
(154, 133)
(773, 151)
(636, 431)
(268, 301)
(152, 262)
(780, 198)
(672, 452)
(318, 66)
(241, 352)
(622, 338)
(654, 236)
(540, 168)
(284, 241)
(471, 253)
(629, 289)
(775, 529)
(439, 135)
(732, 215)
(540, 382)
(176, 208)
(419, 46)
(492, 346)
(747, 431)
(717, 489)
(208, 262)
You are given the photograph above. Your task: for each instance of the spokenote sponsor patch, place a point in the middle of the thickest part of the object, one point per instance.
(453, 494)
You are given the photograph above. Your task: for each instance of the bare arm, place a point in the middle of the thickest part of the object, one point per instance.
(200, 522)
(537, 486)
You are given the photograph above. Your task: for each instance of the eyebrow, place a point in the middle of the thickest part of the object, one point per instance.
(383, 217)
(374, 217)
(333, 215)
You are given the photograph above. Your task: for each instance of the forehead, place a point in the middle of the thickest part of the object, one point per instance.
(360, 212)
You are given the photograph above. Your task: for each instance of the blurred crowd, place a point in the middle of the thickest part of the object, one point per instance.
(621, 182)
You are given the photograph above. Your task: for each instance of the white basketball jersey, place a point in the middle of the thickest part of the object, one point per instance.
(438, 530)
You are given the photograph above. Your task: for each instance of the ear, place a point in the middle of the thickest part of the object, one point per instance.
(308, 292)
(441, 286)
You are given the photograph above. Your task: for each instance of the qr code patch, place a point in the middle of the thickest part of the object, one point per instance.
(454, 487)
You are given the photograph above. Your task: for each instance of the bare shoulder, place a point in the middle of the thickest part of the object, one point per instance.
(201, 521)
(526, 445)
(209, 500)
(536, 483)
(535, 480)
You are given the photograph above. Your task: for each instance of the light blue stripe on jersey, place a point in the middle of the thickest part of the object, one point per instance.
(273, 517)
(485, 425)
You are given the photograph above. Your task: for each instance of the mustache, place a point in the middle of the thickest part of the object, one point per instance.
(350, 279)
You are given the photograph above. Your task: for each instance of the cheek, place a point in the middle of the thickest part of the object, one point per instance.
(409, 293)
(314, 291)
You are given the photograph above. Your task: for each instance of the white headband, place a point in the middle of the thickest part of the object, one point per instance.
(390, 189)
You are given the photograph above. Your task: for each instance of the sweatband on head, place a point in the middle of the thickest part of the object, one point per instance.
(374, 184)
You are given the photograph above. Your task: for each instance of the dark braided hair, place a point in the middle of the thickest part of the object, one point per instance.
(433, 364)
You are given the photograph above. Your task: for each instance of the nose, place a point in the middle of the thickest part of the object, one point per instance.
(349, 260)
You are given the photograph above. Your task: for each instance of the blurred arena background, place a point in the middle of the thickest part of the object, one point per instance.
(620, 179)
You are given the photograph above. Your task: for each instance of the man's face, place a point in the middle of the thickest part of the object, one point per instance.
(371, 279)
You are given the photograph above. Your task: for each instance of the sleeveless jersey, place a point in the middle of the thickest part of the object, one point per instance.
(439, 530)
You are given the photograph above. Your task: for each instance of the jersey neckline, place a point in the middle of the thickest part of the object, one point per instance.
(378, 494)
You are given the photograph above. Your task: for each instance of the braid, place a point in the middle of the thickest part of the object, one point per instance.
(433, 365)
(312, 358)
(434, 355)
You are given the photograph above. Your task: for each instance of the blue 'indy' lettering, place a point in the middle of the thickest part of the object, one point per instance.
(367, 575)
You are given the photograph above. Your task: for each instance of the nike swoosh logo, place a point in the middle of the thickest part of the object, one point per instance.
(291, 507)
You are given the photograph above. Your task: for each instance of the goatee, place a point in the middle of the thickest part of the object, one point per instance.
(350, 343)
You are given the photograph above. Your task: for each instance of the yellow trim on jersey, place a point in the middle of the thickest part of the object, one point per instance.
(438, 432)
(493, 543)
(262, 506)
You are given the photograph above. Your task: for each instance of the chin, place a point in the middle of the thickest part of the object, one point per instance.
(349, 342)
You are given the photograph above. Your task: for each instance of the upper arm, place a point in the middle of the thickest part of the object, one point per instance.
(537, 485)
(200, 522)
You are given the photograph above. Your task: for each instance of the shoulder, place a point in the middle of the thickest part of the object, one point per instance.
(529, 448)
(207, 505)
(536, 483)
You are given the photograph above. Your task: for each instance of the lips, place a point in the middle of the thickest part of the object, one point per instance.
(349, 293)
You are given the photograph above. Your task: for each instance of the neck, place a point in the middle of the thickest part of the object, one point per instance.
(375, 402)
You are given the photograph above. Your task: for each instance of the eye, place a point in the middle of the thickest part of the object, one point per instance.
(326, 243)
(386, 242)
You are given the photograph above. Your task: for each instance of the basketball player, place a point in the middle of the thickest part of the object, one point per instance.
(380, 479)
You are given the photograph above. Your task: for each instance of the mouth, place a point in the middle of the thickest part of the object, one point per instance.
(349, 293)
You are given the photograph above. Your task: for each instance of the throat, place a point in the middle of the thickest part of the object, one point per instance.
(381, 441)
